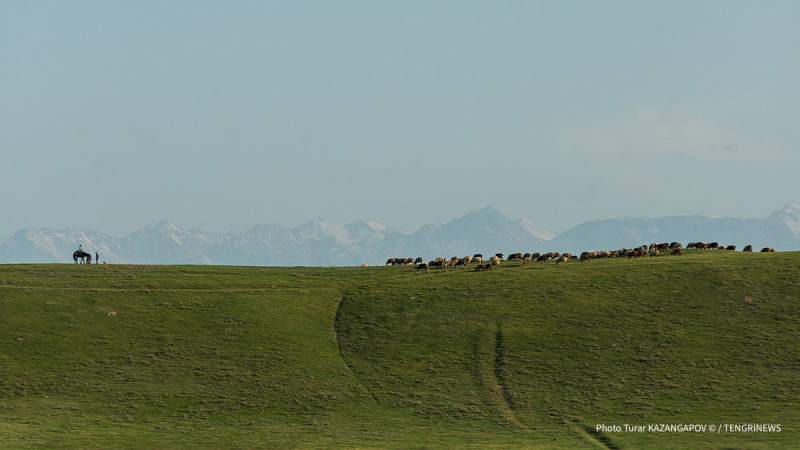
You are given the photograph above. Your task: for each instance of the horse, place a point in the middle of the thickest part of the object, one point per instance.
(80, 254)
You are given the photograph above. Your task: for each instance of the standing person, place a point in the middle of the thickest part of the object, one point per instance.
(88, 258)
(96, 258)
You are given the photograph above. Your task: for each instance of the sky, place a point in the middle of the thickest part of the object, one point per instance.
(220, 115)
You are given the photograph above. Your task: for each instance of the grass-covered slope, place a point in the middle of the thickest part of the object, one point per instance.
(172, 356)
(553, 351)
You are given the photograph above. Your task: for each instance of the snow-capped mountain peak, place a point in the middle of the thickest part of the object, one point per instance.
(321, 243)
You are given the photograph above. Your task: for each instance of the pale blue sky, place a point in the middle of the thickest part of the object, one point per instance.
(219, 115)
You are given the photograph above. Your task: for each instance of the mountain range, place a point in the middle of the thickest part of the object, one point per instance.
(319, 243)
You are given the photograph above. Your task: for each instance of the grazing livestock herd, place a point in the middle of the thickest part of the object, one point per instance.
(673, 248)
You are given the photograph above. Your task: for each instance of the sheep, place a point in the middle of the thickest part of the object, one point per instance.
(675, 245)
(419, 260)
(748, 248)
(653, 253)
(477, 259)
(498, 255)
(515, 257)
(561, 259)
(526, 261)
(483, 267)
(422, 266)
(767, 249)
(731, 248)
(585, 256)
(677, 251)
(390, 261)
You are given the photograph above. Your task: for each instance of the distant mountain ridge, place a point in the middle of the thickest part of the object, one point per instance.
(319, 243)
(780, 230)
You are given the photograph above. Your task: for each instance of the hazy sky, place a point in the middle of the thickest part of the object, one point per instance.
(220, 115)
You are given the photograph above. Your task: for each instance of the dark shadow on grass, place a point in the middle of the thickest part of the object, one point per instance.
(337, 323)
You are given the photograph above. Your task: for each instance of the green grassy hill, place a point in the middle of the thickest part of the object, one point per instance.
(174, 356)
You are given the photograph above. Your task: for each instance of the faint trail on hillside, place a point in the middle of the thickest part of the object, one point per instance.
(490, 360)
(500, 367)
(595, 436)
(339, 343)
